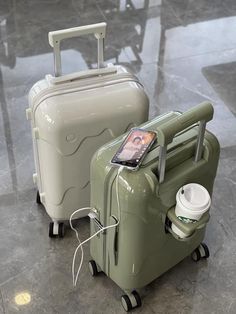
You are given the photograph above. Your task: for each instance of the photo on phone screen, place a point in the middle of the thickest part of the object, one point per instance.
(134, 148)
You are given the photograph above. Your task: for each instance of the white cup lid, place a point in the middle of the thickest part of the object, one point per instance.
(194, 196)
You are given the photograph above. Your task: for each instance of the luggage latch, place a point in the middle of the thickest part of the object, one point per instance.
(42, 197)
(35, 177)
(36, 133)
(28, 112)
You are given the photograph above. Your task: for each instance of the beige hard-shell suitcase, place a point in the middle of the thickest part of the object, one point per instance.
(71, 117)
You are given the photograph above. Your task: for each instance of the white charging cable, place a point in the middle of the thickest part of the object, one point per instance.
(80, 246)
(77, 236)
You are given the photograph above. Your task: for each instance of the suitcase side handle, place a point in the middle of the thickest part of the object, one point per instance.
(166, 132)
(55, 38)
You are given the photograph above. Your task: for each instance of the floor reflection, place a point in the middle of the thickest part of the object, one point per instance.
(151, 37)
(8, 136)
(221, 76)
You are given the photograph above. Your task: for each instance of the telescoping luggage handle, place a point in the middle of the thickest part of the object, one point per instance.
(55, 38)
(166, 132)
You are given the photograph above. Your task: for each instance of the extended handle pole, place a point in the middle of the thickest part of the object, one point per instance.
(166, 132)
(55, 38)
(200, 139)
(162, 163)
(100, 53)
(57, 59)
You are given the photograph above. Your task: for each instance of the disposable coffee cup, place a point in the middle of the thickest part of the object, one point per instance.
(192, 201)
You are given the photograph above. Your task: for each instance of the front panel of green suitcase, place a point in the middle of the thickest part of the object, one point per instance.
(140, 249)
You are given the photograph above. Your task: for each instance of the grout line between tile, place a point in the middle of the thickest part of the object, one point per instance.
(189, 57)
(200, 54)
(100, 11)
(173, 12)
(25, 270)
(3, 307)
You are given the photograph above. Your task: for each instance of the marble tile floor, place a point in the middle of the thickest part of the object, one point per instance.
(184, 52)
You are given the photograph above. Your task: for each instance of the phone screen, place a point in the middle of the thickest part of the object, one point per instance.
(134, 148)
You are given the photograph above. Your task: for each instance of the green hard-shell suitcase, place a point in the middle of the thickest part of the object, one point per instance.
(143, 245)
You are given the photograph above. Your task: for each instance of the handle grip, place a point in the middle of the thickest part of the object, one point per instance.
(167, 131)
(99, 31)
(55, 38)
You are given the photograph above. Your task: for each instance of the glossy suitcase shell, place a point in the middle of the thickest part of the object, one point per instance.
(72, 116)
(143, 246)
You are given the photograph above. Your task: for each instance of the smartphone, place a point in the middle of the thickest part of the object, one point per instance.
(134, 148)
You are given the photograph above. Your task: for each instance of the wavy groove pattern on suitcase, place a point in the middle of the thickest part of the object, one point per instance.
(79, 181)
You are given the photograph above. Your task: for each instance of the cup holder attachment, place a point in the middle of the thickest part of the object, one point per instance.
(189, 229)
